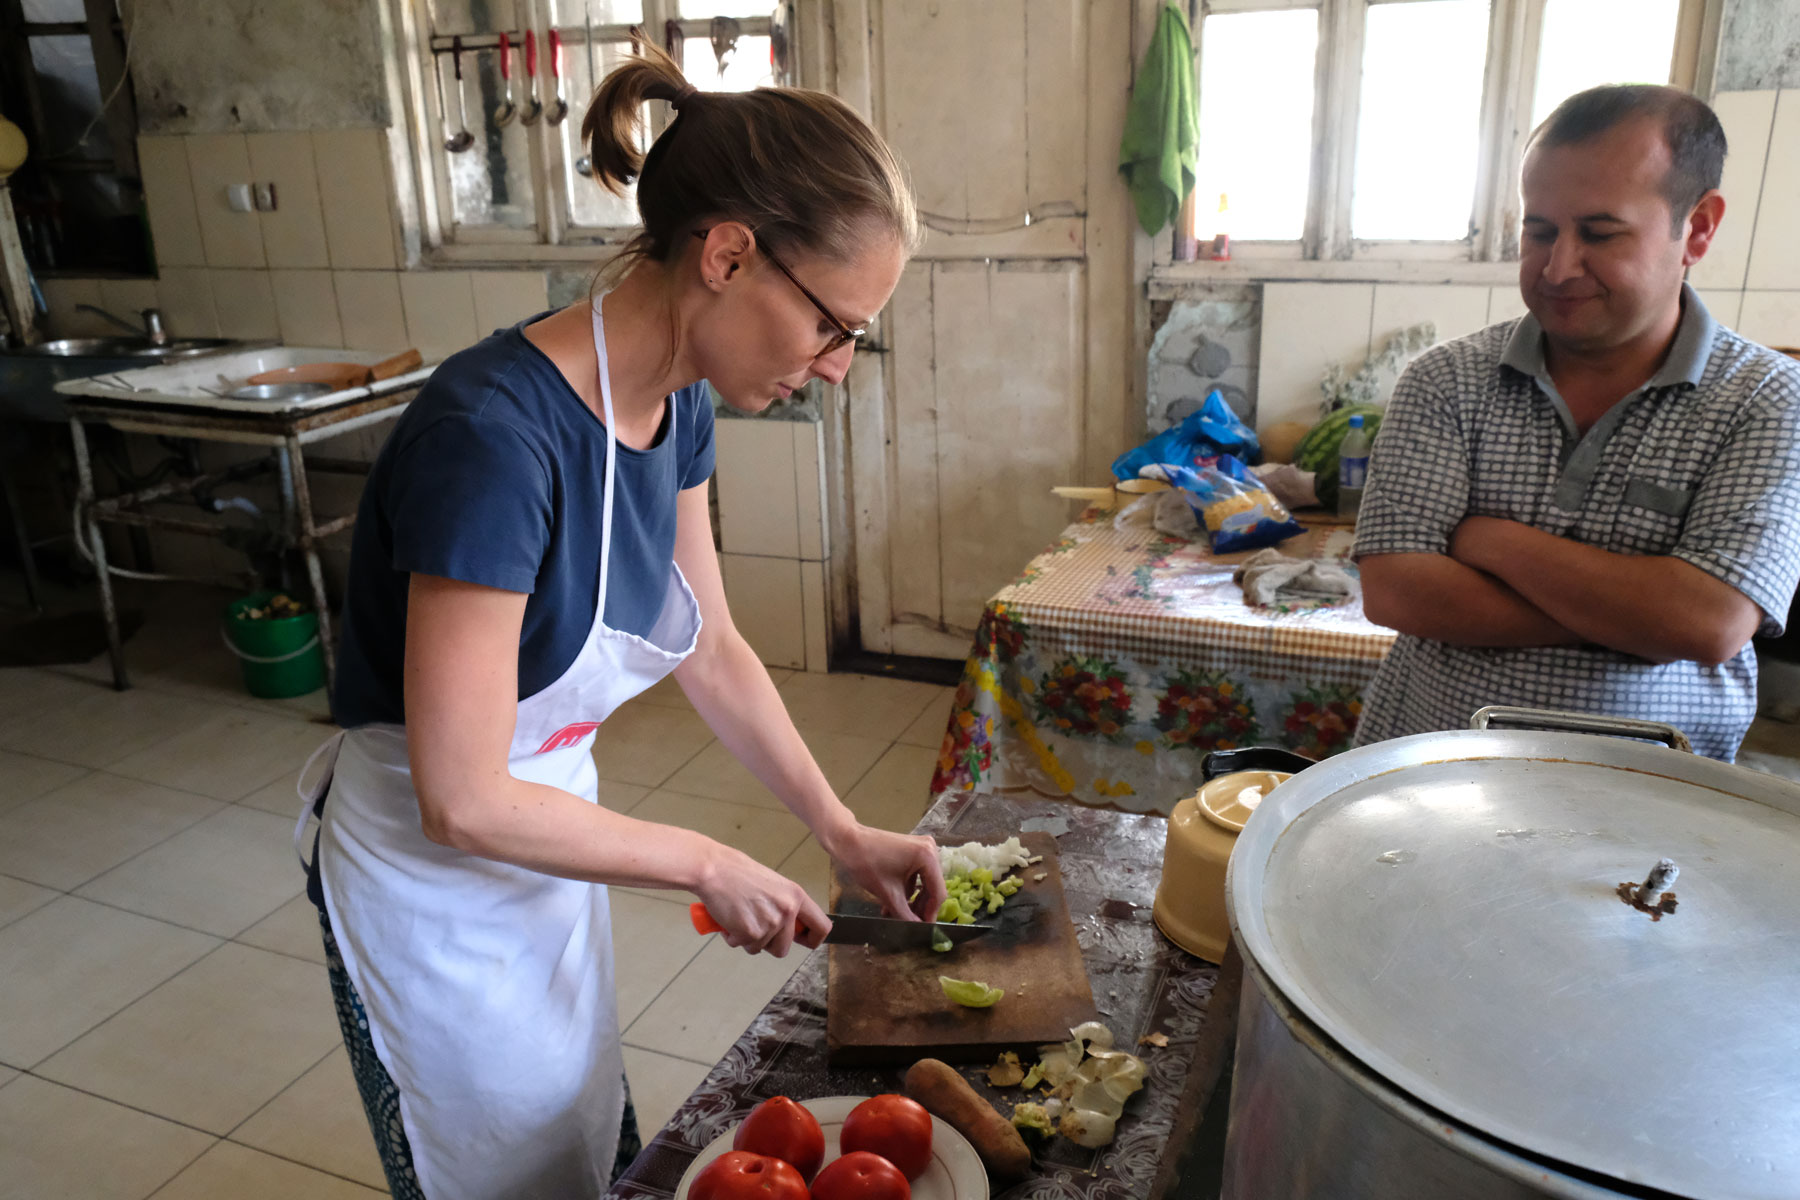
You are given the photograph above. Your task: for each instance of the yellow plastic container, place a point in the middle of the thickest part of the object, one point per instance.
(1190, 900)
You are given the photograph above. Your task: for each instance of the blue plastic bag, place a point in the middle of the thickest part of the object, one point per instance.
(1205, 434)
(1236, 511)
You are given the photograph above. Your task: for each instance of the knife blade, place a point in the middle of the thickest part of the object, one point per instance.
(887, 933)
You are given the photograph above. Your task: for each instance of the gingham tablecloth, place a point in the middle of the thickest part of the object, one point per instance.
(1120, 656)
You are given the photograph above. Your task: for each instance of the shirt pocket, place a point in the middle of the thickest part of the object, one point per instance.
(1652, 516)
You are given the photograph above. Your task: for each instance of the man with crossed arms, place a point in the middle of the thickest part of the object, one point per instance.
(1594, 507)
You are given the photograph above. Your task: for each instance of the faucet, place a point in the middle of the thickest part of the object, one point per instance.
(152, 328)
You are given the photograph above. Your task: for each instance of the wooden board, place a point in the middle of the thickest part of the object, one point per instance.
(886, 1007)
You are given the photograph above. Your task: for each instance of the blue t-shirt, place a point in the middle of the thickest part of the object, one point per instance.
(496, 475)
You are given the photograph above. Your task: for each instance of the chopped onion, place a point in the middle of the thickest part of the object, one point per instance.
(973, 856)
(1091, 1095)
(1096, 1035)
(1058, 1065)
(1089, 1129)
(1094, 1079)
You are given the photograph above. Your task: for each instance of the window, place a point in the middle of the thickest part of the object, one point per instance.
(78, 198)
(513, 186)
(1392, 129)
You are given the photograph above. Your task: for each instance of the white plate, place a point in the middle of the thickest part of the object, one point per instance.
(955, 1172)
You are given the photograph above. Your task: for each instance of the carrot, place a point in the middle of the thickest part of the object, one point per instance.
(945, 1093)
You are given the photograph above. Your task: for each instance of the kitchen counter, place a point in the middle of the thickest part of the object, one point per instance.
(1111, 863)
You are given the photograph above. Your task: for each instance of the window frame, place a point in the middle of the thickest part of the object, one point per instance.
(104, 27)
(554, 236)
(1326, 247)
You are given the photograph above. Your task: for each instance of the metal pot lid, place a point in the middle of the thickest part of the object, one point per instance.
(1447, 909)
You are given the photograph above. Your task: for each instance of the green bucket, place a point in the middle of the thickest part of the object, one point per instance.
(280, 656)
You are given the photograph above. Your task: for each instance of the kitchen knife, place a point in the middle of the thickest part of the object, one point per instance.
(887, 933)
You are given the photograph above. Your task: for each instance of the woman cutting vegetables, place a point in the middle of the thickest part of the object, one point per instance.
(532, 550)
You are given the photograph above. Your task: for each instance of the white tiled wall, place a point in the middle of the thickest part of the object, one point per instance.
(294, 234)
(758, 507)
(320, 270)
(1505, 304)
(306, 306)
(1725, 307)
(1307, 328)
(1746, 117)
(358, 210)
(1772, 318)
(507, 297)
(245, 302)
(1453, 310)
(217, 162)
(440, 311)
(772, 533)
(1750, 278)
(1775, 244)
(369, 305)
(766, 606)
(169, 194)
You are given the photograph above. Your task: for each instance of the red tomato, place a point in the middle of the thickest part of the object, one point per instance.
(782, 1128)
(737, 1175)
(894, 1127)
(860, 1175)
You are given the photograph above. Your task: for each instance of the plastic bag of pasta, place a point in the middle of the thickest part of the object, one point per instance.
(1236, 511)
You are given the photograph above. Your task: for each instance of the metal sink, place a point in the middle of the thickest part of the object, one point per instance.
(29, 374)
(124, 347)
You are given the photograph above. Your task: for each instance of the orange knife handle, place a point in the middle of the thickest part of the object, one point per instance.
(703, 920)
(704, 923)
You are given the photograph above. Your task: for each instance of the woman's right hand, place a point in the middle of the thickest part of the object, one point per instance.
(759, 908)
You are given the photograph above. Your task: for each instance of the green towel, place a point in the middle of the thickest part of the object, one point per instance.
(1162, 126)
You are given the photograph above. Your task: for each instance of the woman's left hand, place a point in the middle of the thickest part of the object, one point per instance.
(889, 865)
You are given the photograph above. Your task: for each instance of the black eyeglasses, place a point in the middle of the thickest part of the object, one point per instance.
(844, 336)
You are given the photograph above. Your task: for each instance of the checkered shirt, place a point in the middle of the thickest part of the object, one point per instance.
(1701, 463)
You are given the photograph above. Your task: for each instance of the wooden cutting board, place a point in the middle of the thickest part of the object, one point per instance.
(886, 1008)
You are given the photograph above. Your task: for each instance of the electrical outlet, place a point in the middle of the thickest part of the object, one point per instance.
(237, 197)
(265, 197)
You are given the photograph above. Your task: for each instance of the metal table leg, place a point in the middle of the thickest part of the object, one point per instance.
(303, 511)
(22, 540)
(289, 531)
(90, 531)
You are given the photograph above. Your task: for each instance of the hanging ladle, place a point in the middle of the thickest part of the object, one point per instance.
(585, 164)
(462, 139)
(559, 108)
(532, 110)
(506, 110)
(437, 71)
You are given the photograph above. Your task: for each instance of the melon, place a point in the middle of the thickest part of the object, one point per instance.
(1318, 450)
(1280, 439)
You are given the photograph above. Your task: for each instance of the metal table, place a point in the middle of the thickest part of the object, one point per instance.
(285, 433)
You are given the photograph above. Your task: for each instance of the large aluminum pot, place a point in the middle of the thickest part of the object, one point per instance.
(1449, 995)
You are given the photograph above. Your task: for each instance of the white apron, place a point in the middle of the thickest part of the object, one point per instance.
(489, 987)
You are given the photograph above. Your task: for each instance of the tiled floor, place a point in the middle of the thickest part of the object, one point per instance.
(165, 1025)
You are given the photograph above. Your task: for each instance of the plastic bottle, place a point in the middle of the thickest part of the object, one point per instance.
(1353, 468)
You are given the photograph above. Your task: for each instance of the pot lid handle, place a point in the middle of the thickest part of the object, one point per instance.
(1500, 716)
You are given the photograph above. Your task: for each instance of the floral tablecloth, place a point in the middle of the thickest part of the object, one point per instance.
(1111, 863)
(1120, 656)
